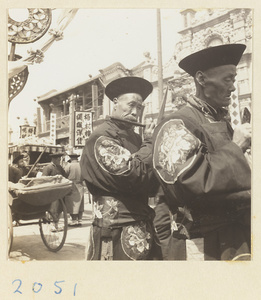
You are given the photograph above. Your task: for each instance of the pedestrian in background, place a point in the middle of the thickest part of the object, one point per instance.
(75, 200)
(26, 158)
(52, 169)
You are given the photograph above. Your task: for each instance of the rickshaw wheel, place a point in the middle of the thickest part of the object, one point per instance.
(10, 229)
(54, 233)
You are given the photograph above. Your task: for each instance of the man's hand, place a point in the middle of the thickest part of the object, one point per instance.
(242, 136)
(148, 131)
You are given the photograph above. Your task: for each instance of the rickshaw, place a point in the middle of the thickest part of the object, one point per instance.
(30, 201)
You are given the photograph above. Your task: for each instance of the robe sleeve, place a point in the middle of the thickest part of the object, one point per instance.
(112, 168)
(188, 171)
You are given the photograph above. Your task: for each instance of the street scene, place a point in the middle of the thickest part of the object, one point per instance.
(128, 135)
(129, 152)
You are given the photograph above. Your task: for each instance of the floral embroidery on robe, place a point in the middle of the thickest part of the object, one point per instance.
(175, 147)
(108, 211)
(137, 240)
(111, 156)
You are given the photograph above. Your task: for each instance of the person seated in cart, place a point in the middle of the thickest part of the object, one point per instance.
(14, 174)
(19, 169)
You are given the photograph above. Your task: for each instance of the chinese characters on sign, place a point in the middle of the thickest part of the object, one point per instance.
(53, 128)
(83, 127)
(26, 131)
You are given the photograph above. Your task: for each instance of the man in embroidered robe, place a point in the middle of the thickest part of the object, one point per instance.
(200, 162)
(116, 166)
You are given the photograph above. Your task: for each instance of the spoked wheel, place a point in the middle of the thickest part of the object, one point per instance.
(54, 229)
(10, 229)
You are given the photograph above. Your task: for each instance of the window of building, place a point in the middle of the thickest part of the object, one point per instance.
(216, 41)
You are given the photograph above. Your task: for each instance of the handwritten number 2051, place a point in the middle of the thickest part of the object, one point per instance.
(19, 284)
(37, 287)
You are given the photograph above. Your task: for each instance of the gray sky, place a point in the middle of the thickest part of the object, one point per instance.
(95, 39)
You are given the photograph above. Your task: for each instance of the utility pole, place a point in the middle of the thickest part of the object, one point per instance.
(71, 99)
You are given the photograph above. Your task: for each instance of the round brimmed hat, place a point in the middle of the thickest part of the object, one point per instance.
(125, 85)
(229, 54)
(17, 158)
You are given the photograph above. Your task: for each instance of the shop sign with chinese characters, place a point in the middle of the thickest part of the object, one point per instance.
(26, 131)
(82, 128)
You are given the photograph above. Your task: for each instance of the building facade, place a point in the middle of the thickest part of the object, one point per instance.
(212, 27)
(201, 29)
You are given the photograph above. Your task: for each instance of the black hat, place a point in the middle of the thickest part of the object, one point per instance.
(74, 155)
(56, 154)
(229, 54)
(126, 85)
(17, 158)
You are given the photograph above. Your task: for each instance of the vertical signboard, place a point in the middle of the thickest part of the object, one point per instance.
(82, 128)
(53, 128)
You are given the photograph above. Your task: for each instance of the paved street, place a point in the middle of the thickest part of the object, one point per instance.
(28, 244)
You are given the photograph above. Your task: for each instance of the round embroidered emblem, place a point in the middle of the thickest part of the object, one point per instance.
(137, 240)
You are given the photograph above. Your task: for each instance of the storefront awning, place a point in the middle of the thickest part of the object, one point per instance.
(35, 148)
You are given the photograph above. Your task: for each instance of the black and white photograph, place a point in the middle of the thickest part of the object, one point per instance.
(129, 138)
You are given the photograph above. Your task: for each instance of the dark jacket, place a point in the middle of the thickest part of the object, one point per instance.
(117, 165)
(14, 174)
(205, 171)
(51, 170)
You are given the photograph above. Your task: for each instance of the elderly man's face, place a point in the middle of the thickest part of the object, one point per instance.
(219, 84)
(128, 106)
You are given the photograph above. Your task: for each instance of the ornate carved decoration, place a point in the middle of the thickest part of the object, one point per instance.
(32, 29)
(248, 26)
(205, 15)
(213, 36)
(238, 16)
(17, 82)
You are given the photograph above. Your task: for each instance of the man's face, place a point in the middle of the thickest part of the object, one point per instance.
(128, 106)
(219, 84)
(56, 160)
(20, 163)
